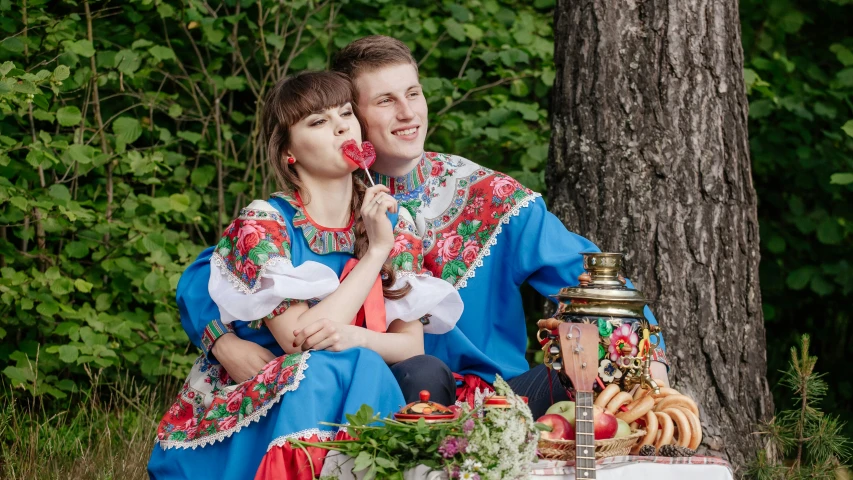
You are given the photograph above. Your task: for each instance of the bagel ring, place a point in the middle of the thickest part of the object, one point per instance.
(606, 395)
(665, 428)
(677, 401)
(695, 428)
(637, 409)
(684, 426)
(621, 398)
(651, 430)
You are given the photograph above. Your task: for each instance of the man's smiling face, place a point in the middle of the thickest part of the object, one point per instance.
(392, 105)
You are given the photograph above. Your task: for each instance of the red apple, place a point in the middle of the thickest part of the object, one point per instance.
(605, 424)
(561, 429)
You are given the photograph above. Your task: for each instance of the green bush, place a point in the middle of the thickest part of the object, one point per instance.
(123, 156)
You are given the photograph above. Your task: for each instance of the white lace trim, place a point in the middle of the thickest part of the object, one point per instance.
(323, 436)
(493, 240)
(406, 273)
(234, 280)
(248, 419)
(479, 397)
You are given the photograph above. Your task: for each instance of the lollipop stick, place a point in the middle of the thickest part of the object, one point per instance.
(369, 177)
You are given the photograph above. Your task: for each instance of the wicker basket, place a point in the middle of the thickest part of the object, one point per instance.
(565, 449)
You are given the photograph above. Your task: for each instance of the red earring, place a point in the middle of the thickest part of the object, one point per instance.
(291, 160)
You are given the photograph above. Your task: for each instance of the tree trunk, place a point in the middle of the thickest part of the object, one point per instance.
(649, 156)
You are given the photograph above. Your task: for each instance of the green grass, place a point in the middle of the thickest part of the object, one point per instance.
(106, 434)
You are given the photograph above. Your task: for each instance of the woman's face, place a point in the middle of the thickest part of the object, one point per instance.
(315, 142)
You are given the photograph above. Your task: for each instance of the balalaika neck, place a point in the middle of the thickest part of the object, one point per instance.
(584, 437)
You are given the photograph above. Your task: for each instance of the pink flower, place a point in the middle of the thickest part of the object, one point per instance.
(249, 236)
(449, 246)
(190, 424)
(469, 254)
(623, 342)
(175, 410)
(503, 186)
(437, 167)
(226, 423)
(250, 269)
(475, 206)
(468, 426)
(234, 400)
(399, 244)
(270, 374)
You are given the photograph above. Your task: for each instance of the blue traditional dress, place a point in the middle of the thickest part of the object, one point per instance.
(270, 258)
(486, 234)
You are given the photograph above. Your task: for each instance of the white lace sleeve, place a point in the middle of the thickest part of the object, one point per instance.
(251, 272)
(430, 297)
(279, 281)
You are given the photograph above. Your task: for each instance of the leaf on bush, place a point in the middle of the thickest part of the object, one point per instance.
(6, 67)
(68, 353)
(60, 73)
(161, 53)
(235, 83)
(821, 286)
(80, 153)
(189, 136)
(829, 232)
(68, 116)
(59, 192)
(162, 204)
(19, 375)
(848, 127)
(202, 176)
(127, 61)
(473, 32)
(454, 29)
(152, 281)
(841, 178)
(83, 48)
(63, 286)
(179, 202)
(127, 129)
(799, 278)
(83, 285)
(13, 44)
(141, 43)
(175, 110)
(20, 203)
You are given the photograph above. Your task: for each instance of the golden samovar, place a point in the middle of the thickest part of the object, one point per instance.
(627, 340)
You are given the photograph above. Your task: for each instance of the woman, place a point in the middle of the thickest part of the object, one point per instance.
(285, 275)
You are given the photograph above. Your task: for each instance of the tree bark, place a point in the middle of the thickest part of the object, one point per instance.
(649, 156)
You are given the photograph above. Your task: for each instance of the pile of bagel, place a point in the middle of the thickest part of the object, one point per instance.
(669, 418)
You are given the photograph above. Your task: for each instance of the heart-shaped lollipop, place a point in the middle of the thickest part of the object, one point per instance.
(361, 158)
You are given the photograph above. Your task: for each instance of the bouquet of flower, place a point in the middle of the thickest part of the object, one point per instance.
(496, 446)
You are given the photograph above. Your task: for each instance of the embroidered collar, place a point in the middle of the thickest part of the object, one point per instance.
(321, 240)
(409, 182)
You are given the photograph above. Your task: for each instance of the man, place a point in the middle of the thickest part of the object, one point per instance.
(482, 231)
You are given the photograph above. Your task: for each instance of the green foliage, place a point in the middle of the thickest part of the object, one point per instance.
(799, 75)
(122, 157)
(811, 439)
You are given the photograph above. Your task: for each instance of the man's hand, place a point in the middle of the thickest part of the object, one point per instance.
(242, 359)
(327, 335)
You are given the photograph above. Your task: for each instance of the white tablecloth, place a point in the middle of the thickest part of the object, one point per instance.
(612, 468)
